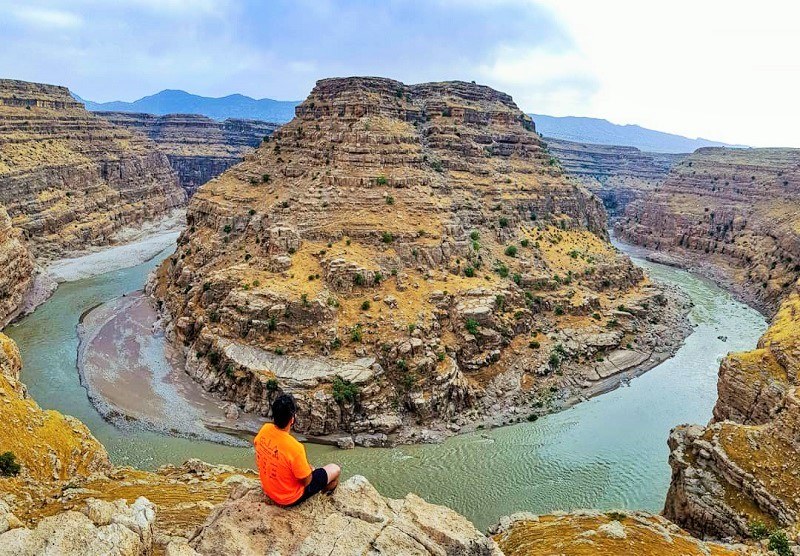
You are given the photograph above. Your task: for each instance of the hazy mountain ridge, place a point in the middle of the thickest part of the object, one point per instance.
(171, 101)
(603, 132)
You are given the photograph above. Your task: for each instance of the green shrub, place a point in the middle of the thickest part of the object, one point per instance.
(365, 305)
(554, 360)
(389, 200)
(359, 279)
(500, 302)
(511, 250)
(758, 529)
(272, 385)
(534, 344)
(474, 235)
(559, 310)
(501, 269)
(227, 229)
(344, 390)
(356, 334)
(472, 326)
(779, 544)
(387, 237)
(279, 351)
(440, 356)
(402, 365)
(503, 222)
(9, 467)
(469, 272)
(596, 316)
(265, 178)
(382, 180)
(524, 242)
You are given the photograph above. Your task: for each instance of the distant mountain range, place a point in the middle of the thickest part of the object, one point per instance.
(603, 132)
(170, 101)
(569, 128)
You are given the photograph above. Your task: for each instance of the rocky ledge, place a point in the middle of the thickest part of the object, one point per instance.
(728, 213)
(17, 264)
(69, 179)
(198, 148)
(401, 257)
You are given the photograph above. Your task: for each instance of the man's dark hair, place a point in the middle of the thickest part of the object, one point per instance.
(283, 409)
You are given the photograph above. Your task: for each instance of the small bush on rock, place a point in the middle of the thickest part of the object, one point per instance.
(9, 467)
(344, 390)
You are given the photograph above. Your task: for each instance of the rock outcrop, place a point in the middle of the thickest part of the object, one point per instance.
(69, 179)
(17, 264)
(618, 175)
(731, 213)
(355, 520)
(744, 468)
(401, 256)
(198, 148)
(590, 533)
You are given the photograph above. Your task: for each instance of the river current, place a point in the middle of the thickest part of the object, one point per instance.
(608, 452)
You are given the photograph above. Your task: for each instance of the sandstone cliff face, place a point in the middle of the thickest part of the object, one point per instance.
(734, 209)
(745, 466)
(17, 264)
(198, 148)
(70, 179)
(399, 255)
(618, 175)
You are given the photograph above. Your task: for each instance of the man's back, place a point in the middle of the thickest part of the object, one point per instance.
(282, 464)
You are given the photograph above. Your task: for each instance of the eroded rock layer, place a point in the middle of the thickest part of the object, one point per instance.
(17, 264)
(69, 179)
(401, 255)
(618, 175)
(730, 209)
(198, 148)
(742, 471)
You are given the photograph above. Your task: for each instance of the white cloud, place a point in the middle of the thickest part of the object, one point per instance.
(721, 70)
(46, 18)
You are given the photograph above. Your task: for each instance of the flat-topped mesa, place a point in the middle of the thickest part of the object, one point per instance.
(69, 179)
(416, 247)
(198, 147)
(23, 94)
(734, 208)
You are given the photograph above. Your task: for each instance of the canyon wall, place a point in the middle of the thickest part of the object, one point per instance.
(69, 179)
(735, 210)
(17, 264)
(198, 148)
(405, 257)
(618, 175)
(742, 471)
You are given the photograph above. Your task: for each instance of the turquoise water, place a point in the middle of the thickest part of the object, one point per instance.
(608, 452)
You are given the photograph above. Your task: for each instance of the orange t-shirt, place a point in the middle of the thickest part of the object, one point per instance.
(281, 464)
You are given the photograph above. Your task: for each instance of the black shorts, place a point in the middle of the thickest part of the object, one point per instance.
(319, 480)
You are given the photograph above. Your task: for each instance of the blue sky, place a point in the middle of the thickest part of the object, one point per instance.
(715, 69)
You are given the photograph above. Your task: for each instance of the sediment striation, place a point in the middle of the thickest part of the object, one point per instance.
(69, 179)
(17, 264)
(198, 148)
(618, 175)
(405, 257)
(731, 213)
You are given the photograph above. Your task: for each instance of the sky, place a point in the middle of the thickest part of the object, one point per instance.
(722, 70)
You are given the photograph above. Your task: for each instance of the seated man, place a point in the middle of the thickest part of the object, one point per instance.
(286, 476)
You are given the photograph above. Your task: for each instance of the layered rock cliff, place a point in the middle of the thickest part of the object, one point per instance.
(618, 175)
(17, 264)
(69, 179)
(198, 148)
(731, 213)
(405, 255)
(743, 470)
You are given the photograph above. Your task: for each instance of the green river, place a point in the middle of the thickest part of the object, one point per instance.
(608, 452)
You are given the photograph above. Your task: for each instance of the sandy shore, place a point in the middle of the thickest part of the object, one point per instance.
(134, 377)
(130, 247)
